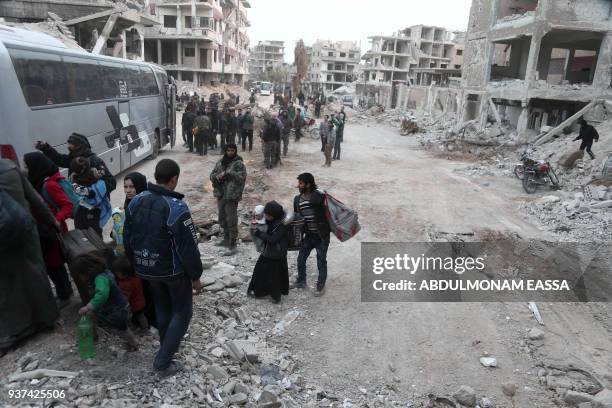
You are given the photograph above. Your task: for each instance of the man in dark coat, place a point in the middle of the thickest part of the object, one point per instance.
(310, 205)
(588, 134)
(247, 129)
(28, 305)
(78, 146)
(161, 241)
(187, 122)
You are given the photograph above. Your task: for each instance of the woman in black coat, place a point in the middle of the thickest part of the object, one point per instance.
(271, 274)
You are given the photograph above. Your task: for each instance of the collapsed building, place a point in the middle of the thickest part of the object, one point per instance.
(535, 63)
(266, 56)
(101, 27)
(400, 68)
(201, 41)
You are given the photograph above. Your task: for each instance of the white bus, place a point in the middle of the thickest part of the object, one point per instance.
(266, 88)
(127, 109)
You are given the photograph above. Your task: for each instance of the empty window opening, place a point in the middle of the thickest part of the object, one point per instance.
(170, 21)
(569, 57)
(511, 9)
(472, 107)
(551, 112)
(510, 59)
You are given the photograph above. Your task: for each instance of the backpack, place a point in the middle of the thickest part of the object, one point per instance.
(15, 221)
(343, 221)
(74, 198)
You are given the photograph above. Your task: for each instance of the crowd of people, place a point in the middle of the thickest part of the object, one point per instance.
(146, 271)
(207, 126)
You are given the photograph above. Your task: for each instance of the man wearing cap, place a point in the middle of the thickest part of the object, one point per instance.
(228, 179)
(78, 146)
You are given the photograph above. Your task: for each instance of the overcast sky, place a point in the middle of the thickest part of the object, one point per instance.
(354, 20)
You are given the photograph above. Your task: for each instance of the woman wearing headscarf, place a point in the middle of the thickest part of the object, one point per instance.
(133, 184)
(271, 274)
(26, 299)
(45, 177)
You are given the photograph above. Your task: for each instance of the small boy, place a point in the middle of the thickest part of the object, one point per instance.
(117, 231)
(131, 286)
(258, 223)
(108, 304)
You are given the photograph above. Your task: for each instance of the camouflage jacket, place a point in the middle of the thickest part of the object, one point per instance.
(232, 185)
(202, 123)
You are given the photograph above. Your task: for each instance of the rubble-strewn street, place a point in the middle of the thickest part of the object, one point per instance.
(337, 350)
(424, 219)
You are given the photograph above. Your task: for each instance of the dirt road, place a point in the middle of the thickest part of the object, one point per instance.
(403, 194)
(376, 352)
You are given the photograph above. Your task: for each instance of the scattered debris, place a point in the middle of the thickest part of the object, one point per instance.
(488, 361)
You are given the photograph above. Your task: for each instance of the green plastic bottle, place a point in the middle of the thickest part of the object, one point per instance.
(87, 348)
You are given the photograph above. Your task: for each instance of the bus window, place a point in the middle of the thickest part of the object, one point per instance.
(147, 80)
(114, 80)
(83, 78)
(41, 77)
(134, 86)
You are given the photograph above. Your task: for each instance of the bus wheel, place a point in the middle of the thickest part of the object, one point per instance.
(156, 146)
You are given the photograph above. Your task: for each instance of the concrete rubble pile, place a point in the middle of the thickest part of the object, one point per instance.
(234, 356)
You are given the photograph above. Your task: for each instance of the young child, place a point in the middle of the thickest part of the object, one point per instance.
(117, 231)
(258, 223)
(89, 184)
(131, 286)
(108, 304)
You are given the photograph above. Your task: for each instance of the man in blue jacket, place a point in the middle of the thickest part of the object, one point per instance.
(161, 241)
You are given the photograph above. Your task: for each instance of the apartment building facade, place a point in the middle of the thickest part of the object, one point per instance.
(265, 56)
(390, 58)
(203, 41)
(536, 62)
(417, 55)
(332, 64)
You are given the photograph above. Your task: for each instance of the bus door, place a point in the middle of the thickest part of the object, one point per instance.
(171, 112)
(124, 117)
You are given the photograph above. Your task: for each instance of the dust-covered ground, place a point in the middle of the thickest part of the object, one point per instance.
(340, 351)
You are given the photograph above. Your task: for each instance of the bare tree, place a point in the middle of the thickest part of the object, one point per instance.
(301, 62)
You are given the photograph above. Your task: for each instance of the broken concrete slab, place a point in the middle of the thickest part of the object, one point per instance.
(242, 349)
(465, 396)
(535, 334)
(216, 287)
(488, 361)
(576, 398)
(603, 399)
(231, 281)
(217, 372)
(602, 204)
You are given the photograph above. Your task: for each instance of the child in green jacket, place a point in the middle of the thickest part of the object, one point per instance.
(108, 304)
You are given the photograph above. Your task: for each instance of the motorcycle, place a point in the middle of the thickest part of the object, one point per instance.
(525, 161)
(539, 174)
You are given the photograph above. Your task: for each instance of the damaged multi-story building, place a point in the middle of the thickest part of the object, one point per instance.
(332, 64)
(418, 56)
(203, 41)
(266, 56)
(101, 26)
(535, 63)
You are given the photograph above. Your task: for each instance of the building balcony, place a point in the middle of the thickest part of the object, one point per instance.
(166, 33)
(200, 4)
(354, 60)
